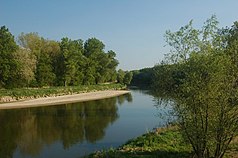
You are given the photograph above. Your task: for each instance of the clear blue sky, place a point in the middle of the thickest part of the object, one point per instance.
(134, 29)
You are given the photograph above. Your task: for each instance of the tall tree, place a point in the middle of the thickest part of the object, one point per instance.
(73, 60)
(128, 77)
(8, 66)
(45, 52)
(206, 95)
(120, 76)
(113, 63)
(31, 41)
(92, 47)
(93, 50)
(45, 75)
(27, 66)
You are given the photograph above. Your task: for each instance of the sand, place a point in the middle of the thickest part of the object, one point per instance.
(63, 99)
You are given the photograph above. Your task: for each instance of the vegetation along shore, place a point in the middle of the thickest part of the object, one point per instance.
(199, 76)
(17, 94)
(165, 142)
(65, 99)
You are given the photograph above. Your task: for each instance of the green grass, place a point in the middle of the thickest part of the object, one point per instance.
(20, 93)
(165, 144)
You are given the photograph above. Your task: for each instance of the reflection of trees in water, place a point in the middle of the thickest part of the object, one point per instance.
(30, 129)
(164, 105)
(126, 97)
(8, 134)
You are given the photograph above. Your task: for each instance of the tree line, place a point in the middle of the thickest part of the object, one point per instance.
(200, 75)
(33, 61)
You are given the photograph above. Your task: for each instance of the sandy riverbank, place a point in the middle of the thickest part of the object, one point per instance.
(63, 99)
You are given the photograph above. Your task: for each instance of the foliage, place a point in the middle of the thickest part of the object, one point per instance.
(39, 62)
(27, 66)
(120, 76)
(8, 65)
(127, 78)
(72, 52)
(22, 93)
(200, 74)
(143, 77)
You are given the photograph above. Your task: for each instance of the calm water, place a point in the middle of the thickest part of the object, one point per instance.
(74, 130)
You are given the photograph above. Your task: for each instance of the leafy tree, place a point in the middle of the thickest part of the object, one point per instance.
(89, 77)
(166, 78)
(183, 42)
(120, 76)
(93, 50)
(45, 52)
(27, 66)
(74, 61)
(92, 47)
(205, 78)
(8, 66)
(44, 76)
(99, 64)
(111, 67)
(127, 78)
(45, 68)
(31, 41)
(42, 62)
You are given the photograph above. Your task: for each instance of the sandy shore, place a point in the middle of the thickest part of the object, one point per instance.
(63, 99)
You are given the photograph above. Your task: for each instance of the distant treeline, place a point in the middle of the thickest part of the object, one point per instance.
(33, 61)
(142, 78)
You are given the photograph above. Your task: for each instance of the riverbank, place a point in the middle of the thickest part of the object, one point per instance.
(11, 95)
(164, 142)
(63, 99)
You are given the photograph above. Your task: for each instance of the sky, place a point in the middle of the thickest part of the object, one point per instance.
(134, 29)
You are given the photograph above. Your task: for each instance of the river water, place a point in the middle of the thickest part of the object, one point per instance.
(75, 130)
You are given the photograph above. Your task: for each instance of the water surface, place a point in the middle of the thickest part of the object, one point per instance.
(77, 129)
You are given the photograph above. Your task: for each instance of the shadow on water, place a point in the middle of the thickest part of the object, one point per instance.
(29, 130)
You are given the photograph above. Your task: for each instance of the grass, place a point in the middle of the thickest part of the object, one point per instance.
(21, 93)
(165, 143)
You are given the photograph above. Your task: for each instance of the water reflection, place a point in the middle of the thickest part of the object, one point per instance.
(29, 130)
(165, 108)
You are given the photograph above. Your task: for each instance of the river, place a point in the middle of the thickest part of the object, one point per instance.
(75, 130)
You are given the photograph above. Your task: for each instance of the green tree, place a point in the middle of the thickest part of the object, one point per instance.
(45, 52)
(74, 61)
(31, 41)
(93, 47)
(8, 66)
(93, 50)
(206, 93)
(45, 75)
(111, 67)
(127, 78)
(120, 76)
(27, 66)
(44, 70)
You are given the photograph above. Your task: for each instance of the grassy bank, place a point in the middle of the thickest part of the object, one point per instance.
(165, 143)
(25, 93)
